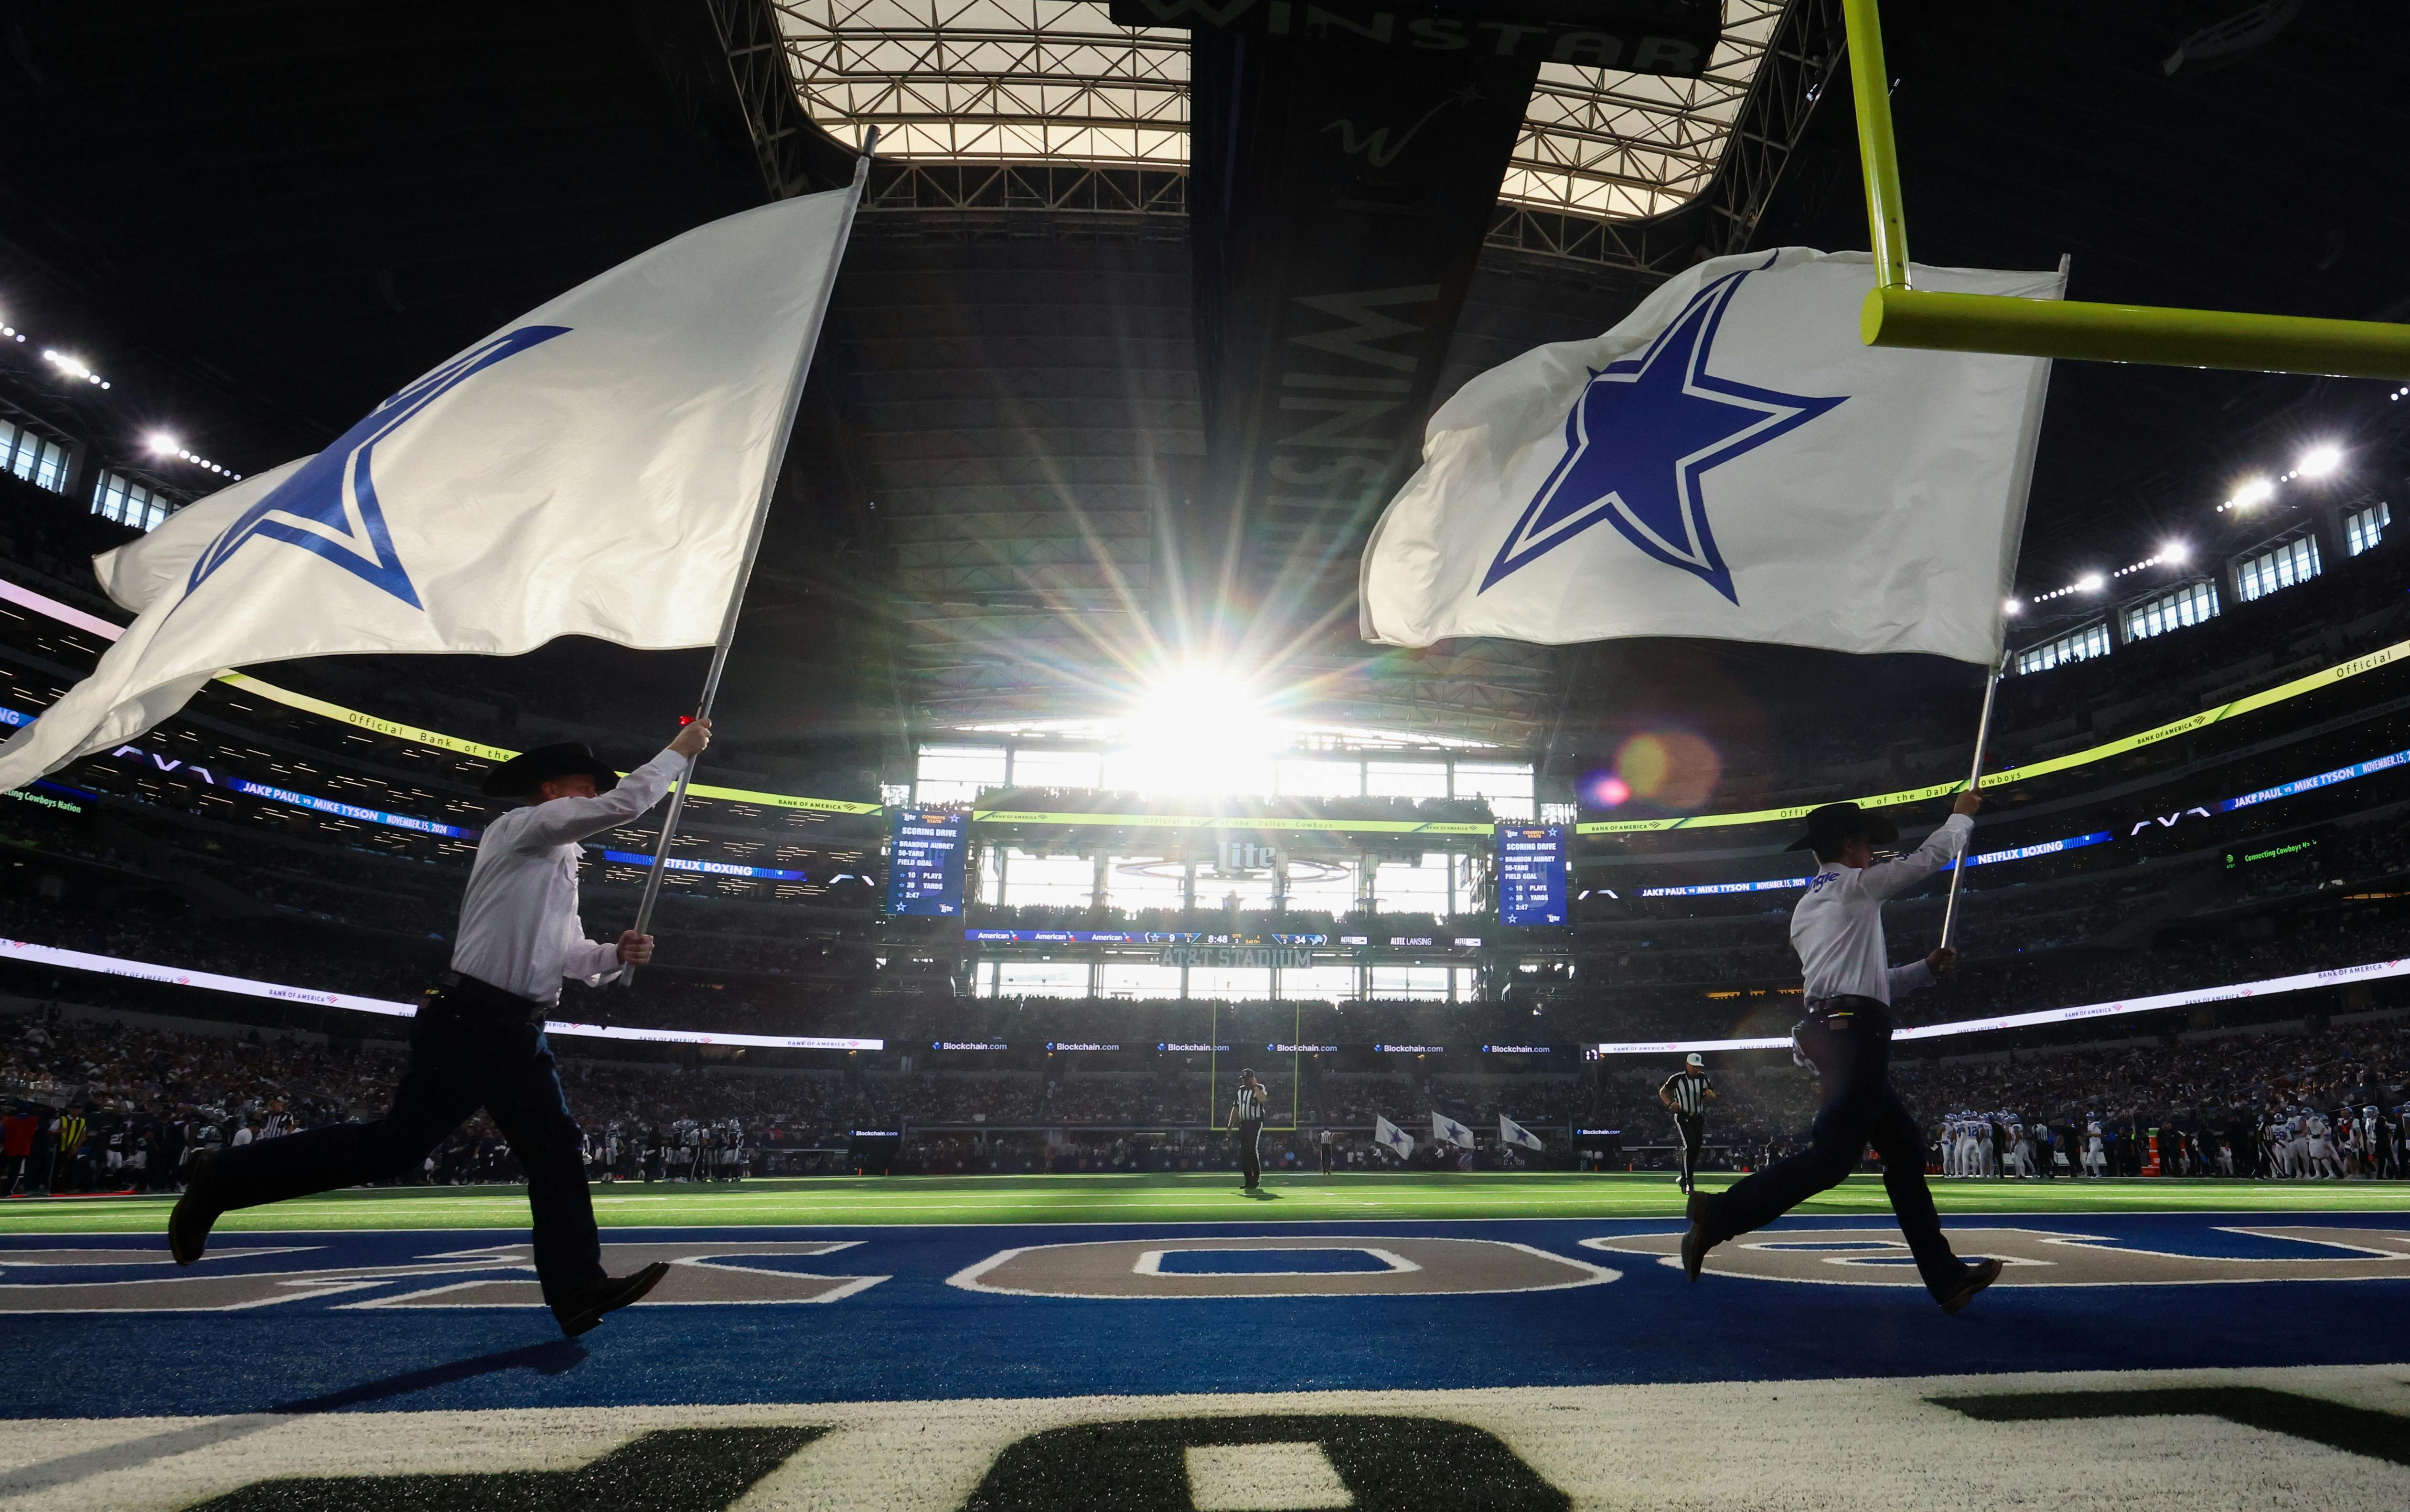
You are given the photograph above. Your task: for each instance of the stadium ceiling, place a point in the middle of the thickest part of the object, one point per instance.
(1020, 390)
(1057, 82)
(361, 191)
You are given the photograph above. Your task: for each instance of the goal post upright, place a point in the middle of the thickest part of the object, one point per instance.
(1895, 314)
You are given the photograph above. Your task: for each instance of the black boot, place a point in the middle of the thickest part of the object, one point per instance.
(582, 1312)
(188, 1225)
(1696, 1242)
(1978, 1275)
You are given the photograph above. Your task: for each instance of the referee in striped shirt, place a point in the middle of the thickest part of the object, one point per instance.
(1247, 1118)
(1687, 1092)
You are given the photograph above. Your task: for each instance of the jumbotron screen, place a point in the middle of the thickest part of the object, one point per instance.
(924, 863)
(1532, 874)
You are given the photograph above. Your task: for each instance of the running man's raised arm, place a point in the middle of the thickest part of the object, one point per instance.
(1908, 976)
(567, 819)
(1889, 879)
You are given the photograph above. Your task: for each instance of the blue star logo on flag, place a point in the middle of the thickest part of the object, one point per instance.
(330, 506)
(1638, 439)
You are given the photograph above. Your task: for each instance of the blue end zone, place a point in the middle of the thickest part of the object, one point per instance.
(915, 1336)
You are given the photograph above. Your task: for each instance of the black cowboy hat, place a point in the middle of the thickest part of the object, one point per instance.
(1834, 823)
(522, 773)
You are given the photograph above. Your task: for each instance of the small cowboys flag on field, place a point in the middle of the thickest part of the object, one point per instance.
(1396, 1140)
(590, 468)
(1446, 1130)
(1511, 1133)
(1729, 462)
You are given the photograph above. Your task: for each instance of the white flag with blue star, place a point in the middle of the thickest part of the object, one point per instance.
(1446, 1130)
(1511, 1133)
(591, 468)
(1731, 462)
(1392, 1138)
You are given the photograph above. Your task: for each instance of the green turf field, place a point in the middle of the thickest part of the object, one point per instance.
(1171, 1199)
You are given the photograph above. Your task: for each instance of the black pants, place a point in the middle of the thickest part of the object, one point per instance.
(471, 1047)
(1692, 1129)
(1251, 1155)
(1852, 1049)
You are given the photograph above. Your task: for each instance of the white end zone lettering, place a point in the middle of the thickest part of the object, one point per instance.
(1132, 1269)
(1878, 1257)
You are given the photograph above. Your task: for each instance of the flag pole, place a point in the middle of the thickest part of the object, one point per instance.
(1974, 783)
(2017, 531)
(777, 460)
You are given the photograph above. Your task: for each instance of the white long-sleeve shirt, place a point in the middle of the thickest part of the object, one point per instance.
(519, 929)
(1837, 926)
(1907, 978)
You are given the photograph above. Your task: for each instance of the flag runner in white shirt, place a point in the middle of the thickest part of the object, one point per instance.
(1838, 931)
(479, 1041)
(519, 929)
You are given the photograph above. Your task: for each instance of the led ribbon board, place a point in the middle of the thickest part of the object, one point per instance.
(2047, 847)
(1132, 937)
(715, 869)
(350, 811)
(93, 624)
(2266, 986)
(2298, 687)
(283, 795)
(2311, 784)
(82, 960)
(2190, 724)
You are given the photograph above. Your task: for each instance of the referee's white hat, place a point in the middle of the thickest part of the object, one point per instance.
(1694, 1059)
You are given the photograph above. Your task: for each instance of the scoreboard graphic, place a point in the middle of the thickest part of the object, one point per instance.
(924, 863)
(1532, 874)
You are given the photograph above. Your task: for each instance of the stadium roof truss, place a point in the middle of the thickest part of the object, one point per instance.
(1065, 109)
(1021, 514)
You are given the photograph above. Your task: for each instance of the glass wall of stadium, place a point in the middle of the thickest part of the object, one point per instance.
(1321, 875)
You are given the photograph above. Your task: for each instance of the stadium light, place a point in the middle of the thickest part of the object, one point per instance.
(2254, 491)
(166, 445)
(72, 366)
(2175, 550)
(2012, 609)
(2090, 582)
(1201, 730)
(2319, 461)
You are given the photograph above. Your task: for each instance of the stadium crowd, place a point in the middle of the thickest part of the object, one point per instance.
(99, 1106)
(2183, 956)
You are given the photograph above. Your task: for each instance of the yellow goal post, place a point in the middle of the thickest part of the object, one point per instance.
(1896, 314)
